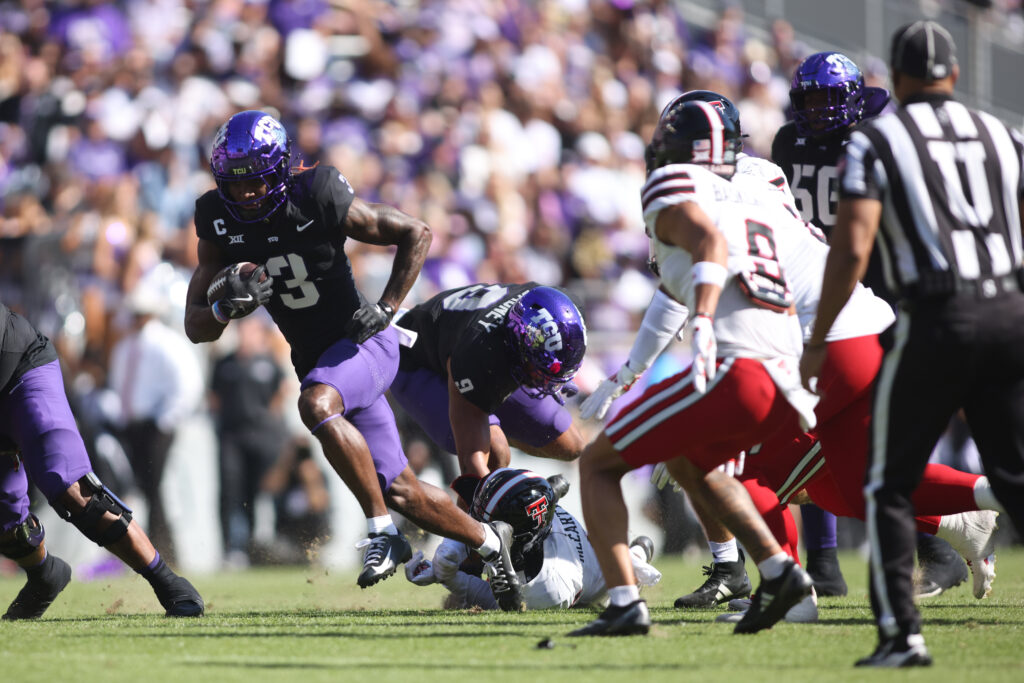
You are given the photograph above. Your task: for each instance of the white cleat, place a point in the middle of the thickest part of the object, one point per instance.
(972, 534)
(983, 571)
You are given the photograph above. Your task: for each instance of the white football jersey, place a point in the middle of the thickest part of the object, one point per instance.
(804, 264)
(767, 171)
(751, 217)
(570, 574)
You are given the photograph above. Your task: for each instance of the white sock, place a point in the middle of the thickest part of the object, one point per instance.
(724, 552)
(381, 525)
(491, 544)
(773, 567)
(620, 596)
(985, 497)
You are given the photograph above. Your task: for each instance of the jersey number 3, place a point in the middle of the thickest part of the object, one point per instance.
(301, 292)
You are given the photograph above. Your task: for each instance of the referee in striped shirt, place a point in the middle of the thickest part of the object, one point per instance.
(937, 187)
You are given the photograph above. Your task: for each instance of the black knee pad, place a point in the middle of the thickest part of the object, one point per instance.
(101, 501)
(22, 540)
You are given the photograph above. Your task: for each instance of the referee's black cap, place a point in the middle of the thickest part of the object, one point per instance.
(923, 49)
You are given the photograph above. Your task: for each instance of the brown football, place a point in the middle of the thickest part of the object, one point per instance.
(218, 286)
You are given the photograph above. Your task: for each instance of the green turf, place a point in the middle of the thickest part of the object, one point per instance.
(312, 625)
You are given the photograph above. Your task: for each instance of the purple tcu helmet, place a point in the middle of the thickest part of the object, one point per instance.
(828, 94)
(521, 498)
(547, 333)
(694, 132)
(252, 144)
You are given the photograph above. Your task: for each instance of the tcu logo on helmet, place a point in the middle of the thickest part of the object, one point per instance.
(266, 130)
(537, 509)
(548, 326)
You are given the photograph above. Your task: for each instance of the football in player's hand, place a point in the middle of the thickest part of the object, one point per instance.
(223, 284)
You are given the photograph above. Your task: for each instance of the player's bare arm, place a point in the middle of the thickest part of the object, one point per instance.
(200, 323)
(382, 224)
(471, 429)
(687, 226)
(852, 241)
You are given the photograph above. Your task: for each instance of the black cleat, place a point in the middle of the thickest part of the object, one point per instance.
(726, 581)
(43, 586)
(774, 598)
(900, 652)
(504, 581)
(384, 552)
(823, 566)
(941, 567)
(645, 544)
(179, 598)
(631, 620)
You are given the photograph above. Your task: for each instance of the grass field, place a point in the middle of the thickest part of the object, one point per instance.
(312, 625)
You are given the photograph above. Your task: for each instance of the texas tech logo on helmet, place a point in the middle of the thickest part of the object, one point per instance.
(537, 511)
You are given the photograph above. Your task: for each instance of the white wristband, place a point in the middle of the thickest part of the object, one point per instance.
(709, 273)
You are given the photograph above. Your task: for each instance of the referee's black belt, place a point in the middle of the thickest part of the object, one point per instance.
(945, 284)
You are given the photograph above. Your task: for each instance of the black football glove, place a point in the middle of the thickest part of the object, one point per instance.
(243, 296)
(368, 321)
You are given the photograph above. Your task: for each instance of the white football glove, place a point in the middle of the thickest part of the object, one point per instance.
(419, 570)
(597, 404)
(447, 559)
(661, 478)
(705, 351)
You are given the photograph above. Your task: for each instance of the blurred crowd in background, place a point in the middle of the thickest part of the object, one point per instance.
(514, 128)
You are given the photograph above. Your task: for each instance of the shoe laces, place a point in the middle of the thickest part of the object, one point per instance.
(375, 552)
(499, 580)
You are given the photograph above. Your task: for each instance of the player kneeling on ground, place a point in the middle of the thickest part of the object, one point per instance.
(552, 556)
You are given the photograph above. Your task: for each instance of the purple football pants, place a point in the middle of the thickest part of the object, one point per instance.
(533, 421)
(361, 373)
(35, 414)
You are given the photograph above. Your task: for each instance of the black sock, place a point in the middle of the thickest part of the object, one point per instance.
(826, 554)
(158, 573)
(42, 569)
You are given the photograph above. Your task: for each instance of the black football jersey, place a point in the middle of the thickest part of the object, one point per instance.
(466, 325)
(22, 348)
(302, 246)
(810, 166)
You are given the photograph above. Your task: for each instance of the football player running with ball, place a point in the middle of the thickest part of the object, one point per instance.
(343, 348)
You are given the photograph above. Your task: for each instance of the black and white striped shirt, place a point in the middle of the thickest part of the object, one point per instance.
(950, 180)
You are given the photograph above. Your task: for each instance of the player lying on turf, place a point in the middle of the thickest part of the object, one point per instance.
(551, 553)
